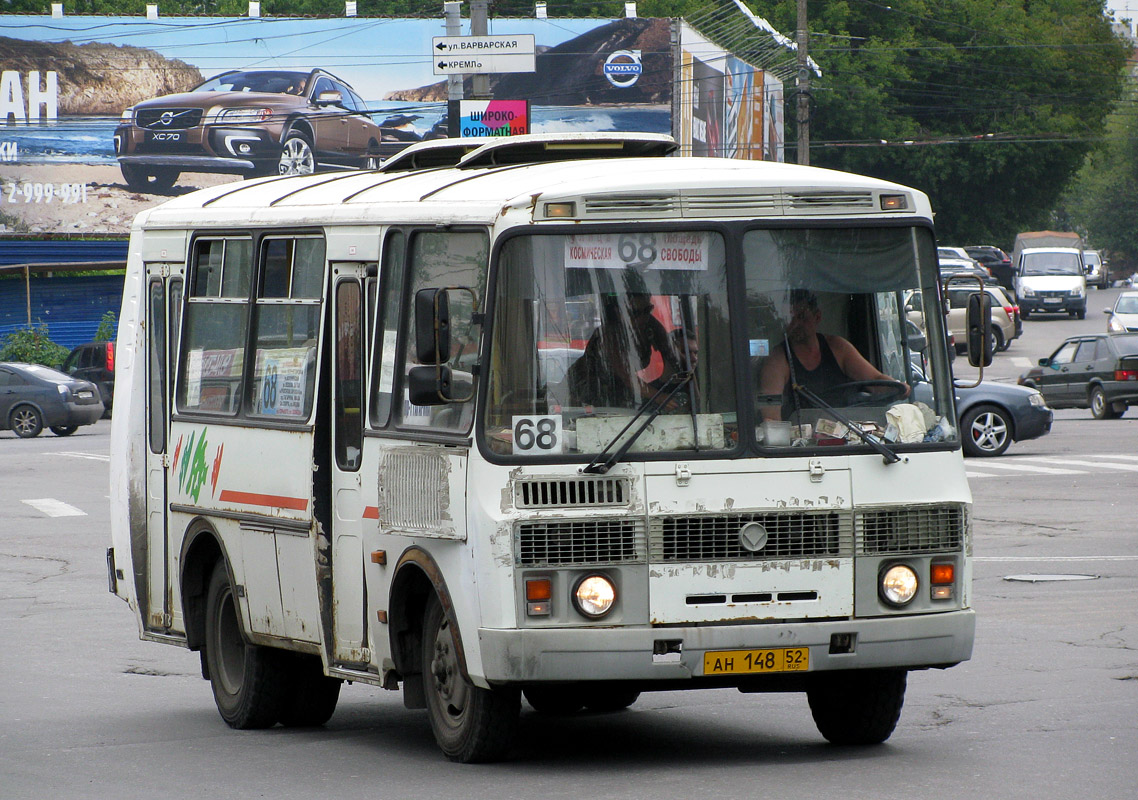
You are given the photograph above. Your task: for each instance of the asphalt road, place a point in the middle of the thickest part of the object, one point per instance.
(1046, 709)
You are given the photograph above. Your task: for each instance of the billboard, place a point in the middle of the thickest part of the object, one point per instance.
(727, 107)
(102, 117)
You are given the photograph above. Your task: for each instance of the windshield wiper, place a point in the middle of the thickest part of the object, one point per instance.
(887, 455)
(600, 464)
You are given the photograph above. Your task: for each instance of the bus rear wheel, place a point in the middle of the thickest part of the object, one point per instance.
(311, 697)
(857, 707)
(470, 724)
(249, 682)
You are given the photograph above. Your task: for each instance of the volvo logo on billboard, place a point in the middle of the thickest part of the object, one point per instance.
(753, 537)
(623, 68)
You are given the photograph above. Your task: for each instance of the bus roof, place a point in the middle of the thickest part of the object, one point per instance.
(603, 189)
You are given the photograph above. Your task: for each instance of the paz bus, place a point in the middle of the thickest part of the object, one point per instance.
(489, 422)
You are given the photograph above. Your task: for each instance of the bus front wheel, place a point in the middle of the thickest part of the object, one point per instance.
(470, 724)
(857, 707)
(249, 682)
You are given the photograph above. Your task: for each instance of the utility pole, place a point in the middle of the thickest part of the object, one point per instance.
(452, 13)
(479, 26)
(803, 88)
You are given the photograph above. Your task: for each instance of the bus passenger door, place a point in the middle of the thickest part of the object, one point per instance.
(349, 595)
(163, 311)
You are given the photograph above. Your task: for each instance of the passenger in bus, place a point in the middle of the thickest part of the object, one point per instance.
(606, 374)
(820, 361)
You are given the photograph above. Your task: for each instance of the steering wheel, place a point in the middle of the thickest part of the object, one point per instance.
(861, 393)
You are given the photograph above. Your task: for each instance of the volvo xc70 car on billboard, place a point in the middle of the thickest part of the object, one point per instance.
(247, 122)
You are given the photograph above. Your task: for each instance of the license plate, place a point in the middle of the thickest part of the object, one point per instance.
(164, 137)
(745, 662)
(1052, 299)
(85, 395)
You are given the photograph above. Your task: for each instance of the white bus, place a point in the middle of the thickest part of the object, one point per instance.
(497, 421)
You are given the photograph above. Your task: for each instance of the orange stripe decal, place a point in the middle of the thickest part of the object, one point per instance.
(371, 512)
(270, 500)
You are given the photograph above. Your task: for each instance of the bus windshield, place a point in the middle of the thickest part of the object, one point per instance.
(591, 329)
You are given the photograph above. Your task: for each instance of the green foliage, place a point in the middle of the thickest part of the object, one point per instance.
(989, 106)
(32, 346)
(106, 329)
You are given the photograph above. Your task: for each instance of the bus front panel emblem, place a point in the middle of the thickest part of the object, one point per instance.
(753, 537)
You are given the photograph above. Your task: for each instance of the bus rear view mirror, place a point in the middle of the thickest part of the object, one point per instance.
(979, 326)
(429, 386)
(432, 326)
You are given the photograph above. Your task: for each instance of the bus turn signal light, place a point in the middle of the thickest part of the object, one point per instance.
(940, 574)
(539, 592)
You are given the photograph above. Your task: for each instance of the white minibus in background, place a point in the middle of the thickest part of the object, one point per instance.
(498, 421)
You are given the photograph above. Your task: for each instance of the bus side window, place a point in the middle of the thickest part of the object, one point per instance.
(442, 259)
(286, 327)
(211, 366)
(387, 330)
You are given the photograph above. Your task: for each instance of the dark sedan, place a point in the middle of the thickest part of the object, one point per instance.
(1095, 371)
(992, 415)
(33, 397)
(996, 261)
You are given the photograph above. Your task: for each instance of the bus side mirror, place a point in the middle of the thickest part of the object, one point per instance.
(429, 386)
(979, 329)
(432, 326)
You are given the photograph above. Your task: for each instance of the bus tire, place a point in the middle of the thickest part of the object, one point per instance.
(610, 699)
(558, 699)
(311, 698)
(470, 724)
(857, 707)
(249, 682)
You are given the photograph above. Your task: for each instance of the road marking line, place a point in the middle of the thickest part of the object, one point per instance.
(968, 474)
(54, 508)
(1079, 463)
(1038, 470)
(1053, 558)
(91, 456)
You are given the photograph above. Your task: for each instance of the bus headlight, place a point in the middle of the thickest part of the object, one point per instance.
(898, 584)
(594, 596)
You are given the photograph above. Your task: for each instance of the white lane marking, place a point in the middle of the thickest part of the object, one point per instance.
(1037, 470)
(1020, 361)
(969, 474)
(54, 508)
(1053, 558)
(91, 456)
(1079, 463)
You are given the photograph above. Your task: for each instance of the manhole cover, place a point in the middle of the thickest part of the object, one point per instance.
(1047, 578)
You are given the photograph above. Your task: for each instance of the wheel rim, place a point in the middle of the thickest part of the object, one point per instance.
(989, 431)
(24, 421)
(230, 647)
(446, 679)
(1098, 403)
(296, 157)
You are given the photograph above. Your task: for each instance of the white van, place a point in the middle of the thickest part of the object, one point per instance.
(1051, 279)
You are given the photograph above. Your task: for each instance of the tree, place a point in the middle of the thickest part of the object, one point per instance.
(989, 106)
(32, 346)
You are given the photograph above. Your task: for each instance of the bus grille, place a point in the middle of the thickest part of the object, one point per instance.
(567, 492)
(715, 537)
(561, 542)
(918, 529)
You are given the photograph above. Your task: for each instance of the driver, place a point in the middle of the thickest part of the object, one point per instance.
(821, 361)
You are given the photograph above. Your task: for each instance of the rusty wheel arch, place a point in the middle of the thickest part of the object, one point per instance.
(417, 575)
(202, 547)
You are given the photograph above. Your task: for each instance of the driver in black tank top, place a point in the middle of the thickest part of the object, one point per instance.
(819, 361)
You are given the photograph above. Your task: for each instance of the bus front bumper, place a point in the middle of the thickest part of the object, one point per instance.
(677, 653)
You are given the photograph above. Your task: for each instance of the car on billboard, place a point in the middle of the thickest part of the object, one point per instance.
(251, 123)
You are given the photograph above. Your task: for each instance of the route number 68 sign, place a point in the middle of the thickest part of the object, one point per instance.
(537, 436)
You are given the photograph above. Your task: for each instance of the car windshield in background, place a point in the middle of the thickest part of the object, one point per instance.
(1127, 304)
(268, 81)
(1052, 264)
(46, 373)
(1127, 345)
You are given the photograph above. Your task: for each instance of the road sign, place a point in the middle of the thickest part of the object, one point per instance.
(454, 55)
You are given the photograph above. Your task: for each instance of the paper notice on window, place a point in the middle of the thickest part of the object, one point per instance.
(282, 375)
(685, 250)
(194, 378)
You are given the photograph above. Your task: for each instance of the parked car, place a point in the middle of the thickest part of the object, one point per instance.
(996, 261)
(1097, 371)
(250, 122)
(33, 397)
(1098, 273)
(953, 267)
(1006, 324)
(1124, 314)
(94, 362)
(992, 415)
(1051, 279)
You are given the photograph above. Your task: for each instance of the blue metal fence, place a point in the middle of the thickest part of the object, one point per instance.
(71, 307)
